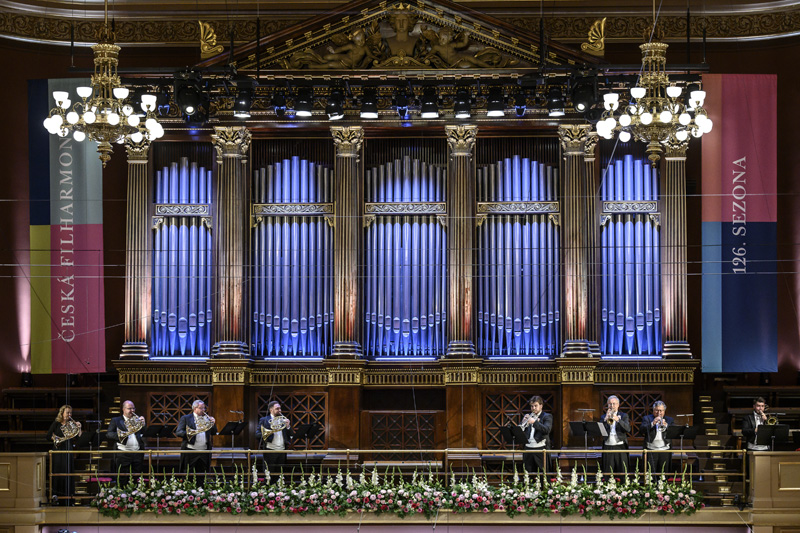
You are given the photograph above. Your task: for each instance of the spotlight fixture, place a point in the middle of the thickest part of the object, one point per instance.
(430, 104)
(520, 103)
(188, 95)
(243, 103)
(583, 96)
(369, 104)
(279, 104)
(555, 102)
(304, 103)
(335, 106)
(401, 104)
(462, 103)
(496, 103)
(162, 101)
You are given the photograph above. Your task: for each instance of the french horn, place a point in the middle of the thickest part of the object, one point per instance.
(70, 429)
(203, 423)
(278, 423)
(132, 425)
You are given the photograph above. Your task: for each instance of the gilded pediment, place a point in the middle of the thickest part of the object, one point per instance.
(423, 34)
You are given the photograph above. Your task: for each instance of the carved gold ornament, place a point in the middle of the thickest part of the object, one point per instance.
(208, 41)
(597, 38)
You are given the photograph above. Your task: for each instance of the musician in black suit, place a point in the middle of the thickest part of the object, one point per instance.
(654, 427)
(274, 440)
(127, 463)
(536, 426)
(618, 427)
(751, 422)
(187, 430)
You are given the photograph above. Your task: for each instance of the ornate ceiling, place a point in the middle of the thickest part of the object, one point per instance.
(157, 22)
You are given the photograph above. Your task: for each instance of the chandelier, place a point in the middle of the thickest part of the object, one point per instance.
(655, 113)
(104, 115)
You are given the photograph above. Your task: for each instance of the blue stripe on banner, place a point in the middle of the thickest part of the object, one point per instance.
(712, 297)
(38, 151)
(749, 298)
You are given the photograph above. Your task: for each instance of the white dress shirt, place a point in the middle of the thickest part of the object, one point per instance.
(753, 446)
(658, 442)
(199, 439)
(612, 439)
(532, 442)
(131, 444)
(277, 441)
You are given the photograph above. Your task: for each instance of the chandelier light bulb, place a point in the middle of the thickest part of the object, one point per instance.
(610, 123)
(674, 91)
(121, 93)
(137, 137)
(149, 102)
(89, 117)
(113, 119)
(646, 118)
(150, 124)
(84, 92)
(697, 98)
(700, 119)
(624, 136)
(611, 101)
(682, 135)
(665, 117)
(707, 125)
(625, 120)
(56, 121)
(72, 117)
(79, 135)
(638, 92)
(127, 109)
(697, 133)
(60, 96)
(684, 119)
(65, 104)
(133, 120)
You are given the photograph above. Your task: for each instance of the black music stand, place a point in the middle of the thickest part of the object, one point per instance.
(232, 428)
(771, 435)
(88, 438)
(585, 429)
(307, 431)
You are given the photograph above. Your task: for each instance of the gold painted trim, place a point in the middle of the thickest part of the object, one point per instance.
(5, 477)
(166, 375)
(649, 375)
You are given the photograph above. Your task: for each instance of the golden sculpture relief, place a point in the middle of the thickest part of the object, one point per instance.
(231, 142)
(597, 39)
(347, 140)
(461, 139)
(573, 138)
(208, 41)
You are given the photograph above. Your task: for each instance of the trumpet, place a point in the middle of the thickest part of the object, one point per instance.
(278, 423)
(530, 418)
(771, 418)
(132, 426)
(204, 423)
(70, 429)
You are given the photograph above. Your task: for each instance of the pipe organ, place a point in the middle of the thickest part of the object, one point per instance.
(292, 260)
(518, 288)
(631, 271)
(405, 302)
(182, 299)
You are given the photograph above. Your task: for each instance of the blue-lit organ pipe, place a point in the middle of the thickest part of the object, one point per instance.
(182, 264)
(517, 290)
(631, 274)
(405, 303)
(292, 273)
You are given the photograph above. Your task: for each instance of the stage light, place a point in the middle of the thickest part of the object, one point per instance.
(555, 102)
(583, 97)
(461, 104)
(520, 104)
(243, 103)
(369, 104)
(335, 106)
(304, 103)
(495, 103)
(401, 104)
(188, 95)
(279, 104)
(430, 104)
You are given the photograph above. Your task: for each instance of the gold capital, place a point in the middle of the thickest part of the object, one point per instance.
(676, 149)
(231, 142)
(461, 139)
(573, 138)
(137, 152)
(590, 145)
(347, 140)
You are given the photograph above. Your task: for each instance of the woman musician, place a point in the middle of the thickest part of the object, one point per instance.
(63, 433)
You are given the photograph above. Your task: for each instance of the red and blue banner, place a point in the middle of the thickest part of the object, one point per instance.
(740, 224)
(66, 236)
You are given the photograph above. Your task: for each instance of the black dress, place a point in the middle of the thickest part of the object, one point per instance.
(63, 463)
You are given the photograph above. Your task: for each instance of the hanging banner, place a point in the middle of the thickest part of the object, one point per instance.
(66, 199)
(740, 224)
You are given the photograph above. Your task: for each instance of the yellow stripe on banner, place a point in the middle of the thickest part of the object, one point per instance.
(41, 323)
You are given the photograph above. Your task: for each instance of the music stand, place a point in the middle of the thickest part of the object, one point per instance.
(307, 431)
(232, 428)
(584, 429)
(769, 435)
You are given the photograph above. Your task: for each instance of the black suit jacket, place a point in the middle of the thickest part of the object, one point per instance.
(649, 430)
(749, 428)
(187, 421)
(118, 423)
(541, 429)
(623, 427)
(288, 433)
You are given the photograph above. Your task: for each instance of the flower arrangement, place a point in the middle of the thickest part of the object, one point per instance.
(423, 494)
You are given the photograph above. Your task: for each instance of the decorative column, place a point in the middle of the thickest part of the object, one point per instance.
(347, 242)
(576, 228)
(460, 233)
(138, 244)
(231, 211)
(593, 201)
(673, 251)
